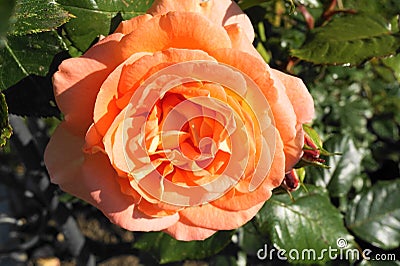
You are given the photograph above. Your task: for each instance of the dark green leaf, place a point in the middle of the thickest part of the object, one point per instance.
(386, 8)
(310, 222)
(350, 40)
(94, 18)
(343, 169)
(5, 128)
(250, 239)
(374, 215)
(386, 129)
(393, 63)
(6, 11)
(221, 261)
(379, 263)
(245, 4)
(166, 249)
(27, 63)
(34, 16)
(26, 55)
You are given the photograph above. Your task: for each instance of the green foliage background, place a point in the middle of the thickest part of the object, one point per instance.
(347, 53)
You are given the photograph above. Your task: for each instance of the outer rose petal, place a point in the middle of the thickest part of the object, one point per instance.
(92, 179)
(294, 148)
(119, 208)
(171, 31)
(127, 26)
(211, 217)
(220, 12)
(299, 96)
(240, 40)
(186, 232)
(303, 106)
(78, 81)
(63, 158)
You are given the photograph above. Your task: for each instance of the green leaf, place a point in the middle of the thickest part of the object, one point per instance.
(26, 55)
(249, 239)
(220, 261)
(5, 128)
(310, 222)
(34, 16)
(94, 18)
(6, 11)
(379, 262)
(393, 63)
(374, 215)
(245, 4)
(167, 249)
(26, 65)
(343, 169)
(386, 129)
(349, 40)
(386, 8)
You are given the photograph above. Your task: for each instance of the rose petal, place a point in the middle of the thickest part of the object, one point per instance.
(114, 144)
(78, 81)
(106, 108)
(211, 217)
(93, 140)
(111, 121)
(119, 208)
(240, 40)
(294, 148)
(220, 12)
(157, 210)
(272, 88)
(92, 179)
(134, 73)
(127, 26)
(303, 106)
(299, 96)
(171, 31)
(235, 200)
(185, 232)
(63, 158)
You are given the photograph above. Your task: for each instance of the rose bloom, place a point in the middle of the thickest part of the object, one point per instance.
(120, 157)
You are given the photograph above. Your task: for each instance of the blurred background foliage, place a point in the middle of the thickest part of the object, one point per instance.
(347, 53)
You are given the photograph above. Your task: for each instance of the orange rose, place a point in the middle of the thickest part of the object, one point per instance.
(175, 123)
